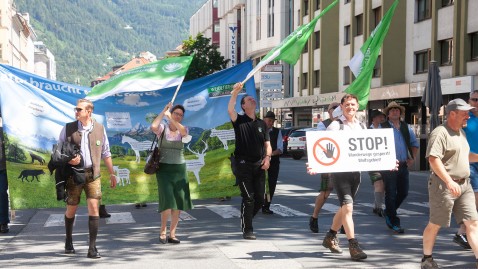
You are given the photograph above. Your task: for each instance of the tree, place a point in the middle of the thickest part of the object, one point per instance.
(207, 58)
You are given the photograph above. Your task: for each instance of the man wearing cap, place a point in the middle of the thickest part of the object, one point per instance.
(377, 117)
(252, 156)
(326, 186)
(471, 131)
(449, 187)
(275, 136)
(397, 181)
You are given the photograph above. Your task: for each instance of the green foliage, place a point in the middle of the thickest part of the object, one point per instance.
(207, 58)
(88, 37)
(15, 153)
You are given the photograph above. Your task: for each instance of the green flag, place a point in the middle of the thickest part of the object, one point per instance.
(149, 77)
(291, 47)
(363, 63)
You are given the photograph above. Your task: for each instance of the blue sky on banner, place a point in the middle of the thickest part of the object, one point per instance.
(35, 109)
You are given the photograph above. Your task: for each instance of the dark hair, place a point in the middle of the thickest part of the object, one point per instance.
(178, 107)
(243, 100)
(348, 96)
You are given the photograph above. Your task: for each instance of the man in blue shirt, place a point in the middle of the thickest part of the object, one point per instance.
(397, 182)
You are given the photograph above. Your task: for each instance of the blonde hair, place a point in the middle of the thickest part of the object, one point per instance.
(89, 105)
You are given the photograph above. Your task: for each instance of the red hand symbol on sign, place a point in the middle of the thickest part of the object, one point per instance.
(328, 151)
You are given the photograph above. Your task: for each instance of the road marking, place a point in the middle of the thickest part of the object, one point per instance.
(400, 211)
(423, 204)
(285, 211)
(185, 216)
(55, 220)
(225, 211)
(123, 217)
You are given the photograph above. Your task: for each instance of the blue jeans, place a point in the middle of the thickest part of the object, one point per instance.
(396, 190)
(4, 216)
(474, 176)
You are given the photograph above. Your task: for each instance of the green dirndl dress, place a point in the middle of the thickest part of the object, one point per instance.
(173, 185)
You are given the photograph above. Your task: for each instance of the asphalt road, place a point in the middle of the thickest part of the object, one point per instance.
(211, 238)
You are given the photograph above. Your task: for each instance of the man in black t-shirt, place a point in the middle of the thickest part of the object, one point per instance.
(252, 155)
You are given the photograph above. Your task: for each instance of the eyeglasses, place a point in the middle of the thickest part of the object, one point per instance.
(178, 114)
(474, 99)
(77, 109)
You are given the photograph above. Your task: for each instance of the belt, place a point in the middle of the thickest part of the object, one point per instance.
(460, 181)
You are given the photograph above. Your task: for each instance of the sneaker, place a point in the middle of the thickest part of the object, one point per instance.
(388, 221)
(331, 242)
(356, 252)
(314, 224)
(398, 229)
(4, 228)
(429, 263)
(249, 236)
(461, 240)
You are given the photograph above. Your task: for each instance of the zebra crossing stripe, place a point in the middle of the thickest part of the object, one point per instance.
(123, 217)
(185, 216)
(55, 220)
(423, 204)
(225, 211)
(285, 211)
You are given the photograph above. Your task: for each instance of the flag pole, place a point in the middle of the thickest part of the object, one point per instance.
(176, 92)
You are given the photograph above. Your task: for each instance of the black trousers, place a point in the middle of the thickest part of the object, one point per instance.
(272, 176)
(251, 183)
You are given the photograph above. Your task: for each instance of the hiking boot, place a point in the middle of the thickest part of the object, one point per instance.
(331, 242)
(314, 224)
(356, 252)
(429, 263)
(461, 240)
(69, 249)
(103, 212)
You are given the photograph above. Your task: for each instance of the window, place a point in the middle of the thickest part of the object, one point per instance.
(306, 7)
(423, 10)
(346, 1)
(346, 75)
(347, 35)
(446, 52)
(316, 4)
(305, 83)
(377, 70)
(377, 16)
(217, 28)
(445, 3)
(421, 61)
(258, 20)
(270, 19)
(317, 78)
(214, 3)
(359, 25)
(474, 45)
(298, 17)
(306, 47)
(317, 40)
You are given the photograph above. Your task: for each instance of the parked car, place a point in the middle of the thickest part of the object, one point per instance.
(285, 137)
(297, 143)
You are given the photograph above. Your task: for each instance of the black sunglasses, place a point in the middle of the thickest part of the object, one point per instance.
(77, 109)
(474, 99)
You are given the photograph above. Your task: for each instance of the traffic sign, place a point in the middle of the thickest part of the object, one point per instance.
(272, 68)
(271, 76)
(271, 85)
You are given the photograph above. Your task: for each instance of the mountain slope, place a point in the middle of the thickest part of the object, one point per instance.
(89, 37)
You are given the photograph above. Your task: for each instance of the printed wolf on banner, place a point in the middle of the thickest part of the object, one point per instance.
(34, 110)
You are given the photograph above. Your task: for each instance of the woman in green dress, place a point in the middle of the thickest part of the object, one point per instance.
(173, 185)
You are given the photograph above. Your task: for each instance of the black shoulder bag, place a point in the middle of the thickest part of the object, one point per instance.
(152, 161)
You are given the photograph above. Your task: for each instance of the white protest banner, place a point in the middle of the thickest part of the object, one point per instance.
(348, 151)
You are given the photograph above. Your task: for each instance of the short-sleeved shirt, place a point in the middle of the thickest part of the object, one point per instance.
(471, 131)
(452, 149)
(250, 138)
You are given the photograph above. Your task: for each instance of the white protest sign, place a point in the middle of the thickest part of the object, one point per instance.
(348, 151)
